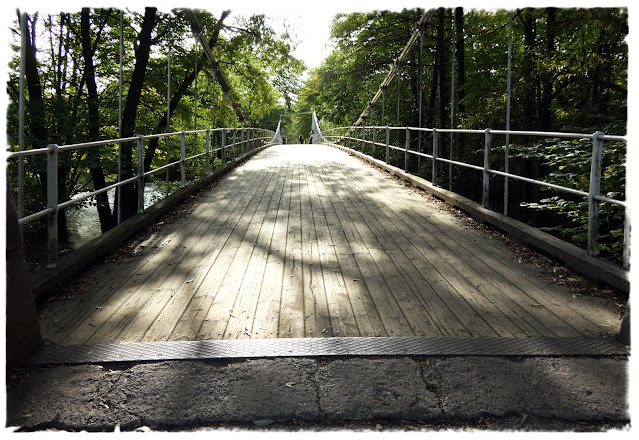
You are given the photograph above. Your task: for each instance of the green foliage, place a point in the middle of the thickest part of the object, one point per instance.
(568, 74)
(570, 164)
(257, 62)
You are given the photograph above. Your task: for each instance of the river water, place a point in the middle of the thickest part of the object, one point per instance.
(84, 223)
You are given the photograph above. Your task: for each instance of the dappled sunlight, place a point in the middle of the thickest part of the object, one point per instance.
(305, 241)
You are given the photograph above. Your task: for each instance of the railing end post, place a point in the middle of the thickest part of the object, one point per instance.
(594, 190)
(52, 204)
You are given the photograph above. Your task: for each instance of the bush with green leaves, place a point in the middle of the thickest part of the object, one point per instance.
(570, 162)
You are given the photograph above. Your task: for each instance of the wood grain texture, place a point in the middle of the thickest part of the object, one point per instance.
(306, 241)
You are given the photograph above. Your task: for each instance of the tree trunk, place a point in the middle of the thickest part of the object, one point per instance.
(181, 90)
(35, 107)
(441, 71)
(23, 338)
(595, 85)
(528, 99)
(37, 121)
(461, 66)
(528, 70)
(129, 201)
(430, 111)
(545, 106)
(107, 220)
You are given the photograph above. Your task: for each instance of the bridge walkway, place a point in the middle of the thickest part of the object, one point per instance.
(305, 241)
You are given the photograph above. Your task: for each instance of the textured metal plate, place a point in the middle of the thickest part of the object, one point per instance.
(306, 347)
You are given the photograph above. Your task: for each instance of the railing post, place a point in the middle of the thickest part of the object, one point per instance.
(242, 142)
(435, 155)
(387, 143)
(626, 239)
(182, 160)
(224, 145)
(406, 145)
(140, 148)
(234, 140)
(485, 197)
(206, 167)
(373, 145)
(52, 203)
(595, 188)
(119, 188)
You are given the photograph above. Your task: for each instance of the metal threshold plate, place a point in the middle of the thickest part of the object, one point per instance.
(340, 346)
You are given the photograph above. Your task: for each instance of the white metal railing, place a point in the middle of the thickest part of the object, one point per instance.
(346, 136)
(249, 139)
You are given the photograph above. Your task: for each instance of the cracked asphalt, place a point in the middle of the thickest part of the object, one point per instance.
(520, 393)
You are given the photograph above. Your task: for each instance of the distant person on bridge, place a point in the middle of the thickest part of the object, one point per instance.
(301, 138)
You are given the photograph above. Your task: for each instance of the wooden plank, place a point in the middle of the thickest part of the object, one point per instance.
(433, 316)
(114, 312)
(443, 293)
(246, 304)
(553, 307)
(267, 314)
(392, 317)
(292, 319)
(365, 314)
(489, 277)
(177, 310)
(235, 260)
(317, 316)
(451, 264)
(128, 270)
(140, 309)
(191, 319)
(335, 301)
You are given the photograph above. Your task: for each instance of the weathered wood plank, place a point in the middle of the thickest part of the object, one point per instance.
(180, 315)
(292, 313)
(337, 306)
(234, 264)
(115, 311)
(305, 241)
(247, 301)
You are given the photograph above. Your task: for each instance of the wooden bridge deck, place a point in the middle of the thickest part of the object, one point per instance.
(305, 241)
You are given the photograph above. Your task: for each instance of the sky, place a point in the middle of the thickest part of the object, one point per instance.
(310, 20)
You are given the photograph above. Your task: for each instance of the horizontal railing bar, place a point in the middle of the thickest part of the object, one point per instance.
(551, 134)
(195, 156)
(163, 167)
(611, 137)
(159, 135)
(539, 182)
(454, 162)
(94, 193)
(103, 142)
(35, 216)
(609, 200)
(95, 143)
(429, 156)
(35, 151)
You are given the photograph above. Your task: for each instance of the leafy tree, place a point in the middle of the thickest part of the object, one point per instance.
(72, 74)
(569, 74)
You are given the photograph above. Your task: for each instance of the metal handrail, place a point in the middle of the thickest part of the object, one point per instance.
(250, 138)
(593, 194)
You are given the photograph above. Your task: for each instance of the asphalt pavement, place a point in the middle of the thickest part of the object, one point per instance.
(520, 393)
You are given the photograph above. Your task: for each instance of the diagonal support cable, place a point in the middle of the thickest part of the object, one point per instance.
(213, 63)
(396, 65)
